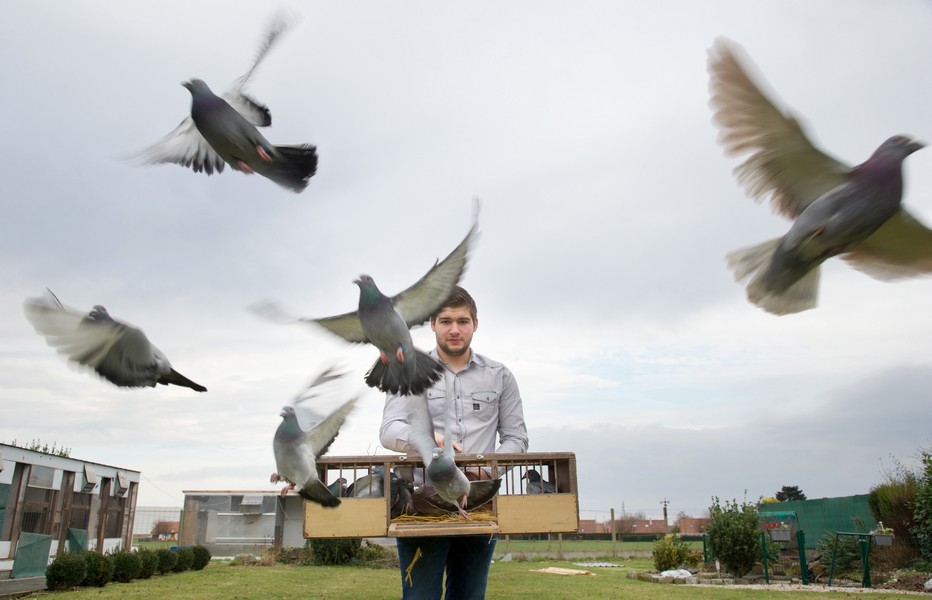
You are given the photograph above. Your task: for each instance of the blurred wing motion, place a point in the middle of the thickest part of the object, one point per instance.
(297, 448)
(118, 352)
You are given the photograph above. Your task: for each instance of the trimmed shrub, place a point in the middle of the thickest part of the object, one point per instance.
(150, 563)
(201, 557)
(336, 551)
(66, 571)
(99, 569)
(126, 566)
(185, 560)
(734, 535)
(670, 552)
(167, 560)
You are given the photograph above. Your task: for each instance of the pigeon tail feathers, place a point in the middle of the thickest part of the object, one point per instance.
(392, 378)
(175, 378)
(802, 295)
(291, 166)
(318, 492)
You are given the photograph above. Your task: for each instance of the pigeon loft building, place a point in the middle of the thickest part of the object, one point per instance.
(51, 503)
(550, 505)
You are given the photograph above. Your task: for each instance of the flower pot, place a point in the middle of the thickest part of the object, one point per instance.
(780, 535)
(883, 539)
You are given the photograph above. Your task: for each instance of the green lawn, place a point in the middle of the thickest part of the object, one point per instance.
(219, 581)
(603, 547)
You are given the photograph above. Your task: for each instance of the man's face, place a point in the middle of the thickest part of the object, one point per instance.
(453, 328)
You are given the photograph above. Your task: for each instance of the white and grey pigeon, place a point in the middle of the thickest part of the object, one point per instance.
(537, 485)
(297, 448)
(222, 130)
(838, 210)
(384, 322)
(117, 351)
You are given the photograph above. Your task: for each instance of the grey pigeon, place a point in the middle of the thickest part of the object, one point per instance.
(853, 212)
(297, 448)
(372, 485)
(338, 487)
(384, 322)
(117, 351)
(536, 484)
(222, 130)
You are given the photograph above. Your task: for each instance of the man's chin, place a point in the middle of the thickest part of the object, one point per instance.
(459, 351)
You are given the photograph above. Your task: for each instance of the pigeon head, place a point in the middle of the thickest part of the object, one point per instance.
(99, 313)
(197, 87)
(368, 291)
(899, 146)
(288, 412)
(532, 475)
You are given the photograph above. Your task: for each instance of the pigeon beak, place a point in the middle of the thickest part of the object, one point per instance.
(186, 84)
(357, 281)
(916, 145)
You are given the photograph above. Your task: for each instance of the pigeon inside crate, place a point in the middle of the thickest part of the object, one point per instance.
(525, 503)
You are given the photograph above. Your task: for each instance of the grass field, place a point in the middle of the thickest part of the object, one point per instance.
(603, 547)
(220, 581)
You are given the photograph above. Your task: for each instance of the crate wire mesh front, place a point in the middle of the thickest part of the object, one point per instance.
(522, 505)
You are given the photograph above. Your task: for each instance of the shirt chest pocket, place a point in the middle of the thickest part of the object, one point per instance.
(482, 405)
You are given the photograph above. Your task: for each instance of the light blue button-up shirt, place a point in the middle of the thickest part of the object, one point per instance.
(486, 403)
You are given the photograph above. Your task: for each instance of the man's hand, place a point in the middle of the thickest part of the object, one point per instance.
(439, 439)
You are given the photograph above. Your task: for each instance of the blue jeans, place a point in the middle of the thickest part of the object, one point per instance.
(466, 560)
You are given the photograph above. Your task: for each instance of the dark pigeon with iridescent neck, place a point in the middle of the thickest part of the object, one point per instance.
(385, 322)
(852, 212)
(222, 131)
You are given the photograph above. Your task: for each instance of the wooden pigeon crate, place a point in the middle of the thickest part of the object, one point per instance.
(513, 510)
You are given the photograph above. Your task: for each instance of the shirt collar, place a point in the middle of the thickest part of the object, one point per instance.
(474, 359)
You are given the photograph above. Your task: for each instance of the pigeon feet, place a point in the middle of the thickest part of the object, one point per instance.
(400, 354)
(286, 489)
(244, 167)
(383, 357)
(263, 154)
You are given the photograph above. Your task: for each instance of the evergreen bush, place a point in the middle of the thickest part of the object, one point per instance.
(670, 552)
(66, 571)
(201, 557)
(126, 566)
(167, 560)
(99, 569)
(150, 563)
(185, 560)
(336, 551)
(734, 535)
(922, 508)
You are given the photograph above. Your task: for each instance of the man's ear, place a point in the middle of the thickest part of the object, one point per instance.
(475, 324)
(433, 322)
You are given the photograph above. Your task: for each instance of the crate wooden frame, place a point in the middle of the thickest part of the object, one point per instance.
(513, 509)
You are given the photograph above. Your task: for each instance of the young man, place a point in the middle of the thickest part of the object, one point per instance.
(487, 404)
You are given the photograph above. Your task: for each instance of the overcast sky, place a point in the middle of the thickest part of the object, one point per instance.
(599, 275)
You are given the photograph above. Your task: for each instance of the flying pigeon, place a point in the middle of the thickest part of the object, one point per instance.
(117, 351)
(536, 485)
(222, 130)
(853, 212)
(297, 449)
(384, 322)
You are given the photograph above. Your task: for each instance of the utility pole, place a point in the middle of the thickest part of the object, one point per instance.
(666, 524)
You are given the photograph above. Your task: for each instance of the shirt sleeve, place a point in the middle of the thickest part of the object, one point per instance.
(393, 434)
(512, 431)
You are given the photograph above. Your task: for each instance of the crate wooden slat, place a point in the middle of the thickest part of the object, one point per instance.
(513, 510)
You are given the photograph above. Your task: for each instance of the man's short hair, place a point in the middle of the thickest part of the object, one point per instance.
(458, 297)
